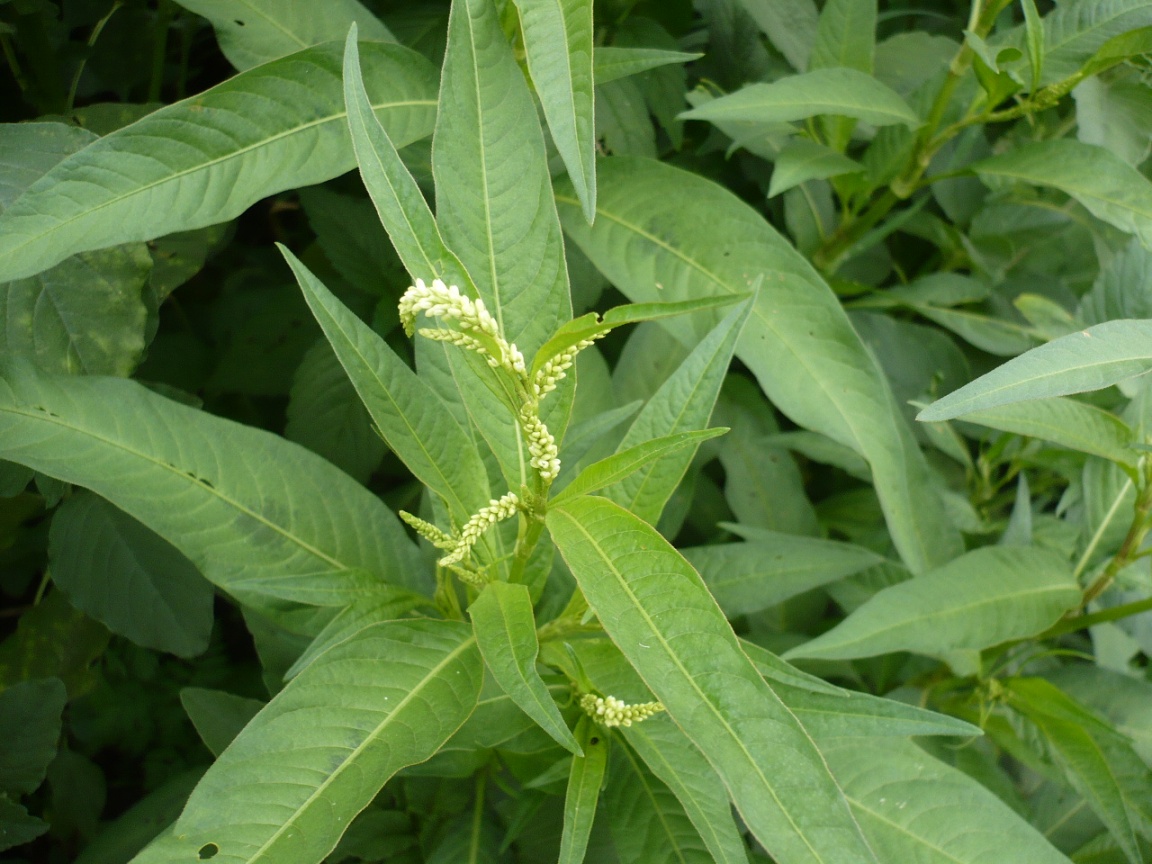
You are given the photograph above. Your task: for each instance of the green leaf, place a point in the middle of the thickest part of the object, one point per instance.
(128, 578)
(86, 314)
(17, 826)
(913, 808)
(616, 467)
(983, 598)
(398, 200)
(610, 62)
(1100, 763)
(849, 714)
(54, 640)
(1077, 363)
(558, 48)
(218, 716)
(647, 822)
(30, 724)
(316, 755)
(841, 92)
(1074, 31)
(684, 401)
(132, 830)
(31, 149)
(1034, 33)
(251, 32)
(1111, 189)
(668, 753)
(1120, 48)
(384, 603)
(748, 577)
(505, 630)
(208, 158)
(592, 325)
(325, 414)
(803, 160)
(584, 781)
(643, 591)
(1066, 422)
(845, 36)
(246, 506)
(412, 419)
(659, 226)
(493, 191)
(790, 25)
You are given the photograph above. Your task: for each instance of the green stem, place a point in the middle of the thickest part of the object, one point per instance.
(1083, 622)
(13, 63)
(531, 527)
(159, 48)
(96, 31)
(1137, 531)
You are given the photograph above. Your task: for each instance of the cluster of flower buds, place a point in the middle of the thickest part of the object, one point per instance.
(556, 369)
(497, 510)
(610, 711)
(479, 330)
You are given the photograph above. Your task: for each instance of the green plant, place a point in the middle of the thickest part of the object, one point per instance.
(483, 548)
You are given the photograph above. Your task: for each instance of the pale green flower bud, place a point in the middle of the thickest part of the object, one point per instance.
(495, 511)
(610, 711)
(541, 444)
(429, 531)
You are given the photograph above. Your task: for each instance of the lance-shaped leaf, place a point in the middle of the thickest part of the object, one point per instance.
(558, 47)
(1110, 188)
(218, 715)
(615, 468)
(1066, 422)
(410, 416)
(915, 808)
(661, 616)
(593, 325)
(128, 578)
(251, 32)
(585, 778)
(493, 191)
(1077, 363)
(683, 402)
(245, 506)
(748, 577)
(611, 62)
(983, 598)
(1098, 761)
(506, 633)
(208, 158)
(648, 824)
(286, 788)
(398, 200)
(840, 91)
(662, 233)
(845, 36)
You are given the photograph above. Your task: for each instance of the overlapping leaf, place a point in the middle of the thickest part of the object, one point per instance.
(287, 787)
(252, 511)
(663, 233)
(658, 612)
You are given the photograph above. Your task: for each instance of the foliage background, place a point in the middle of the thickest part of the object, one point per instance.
(123, 672)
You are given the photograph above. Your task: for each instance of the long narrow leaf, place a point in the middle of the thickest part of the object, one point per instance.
(643, 592)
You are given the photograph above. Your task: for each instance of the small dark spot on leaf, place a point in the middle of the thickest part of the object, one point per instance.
(593, 741)
(208, 850)
(238, 22)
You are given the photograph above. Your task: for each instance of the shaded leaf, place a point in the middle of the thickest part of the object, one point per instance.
(128, 578)
(610, 62)
(30, 724)
(218, 716)
(584, 781)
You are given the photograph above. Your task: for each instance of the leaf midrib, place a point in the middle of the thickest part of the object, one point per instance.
(174, 177)
(211, 490)
(687, 677)
(371, 738)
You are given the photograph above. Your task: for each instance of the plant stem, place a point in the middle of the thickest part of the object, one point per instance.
(159, 48)
(1137, 531)
(96, 31)
(1082, 622)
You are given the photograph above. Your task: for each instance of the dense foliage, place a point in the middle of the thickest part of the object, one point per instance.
(518, 431)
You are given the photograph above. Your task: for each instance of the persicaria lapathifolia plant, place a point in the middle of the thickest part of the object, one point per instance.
(403, 553)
